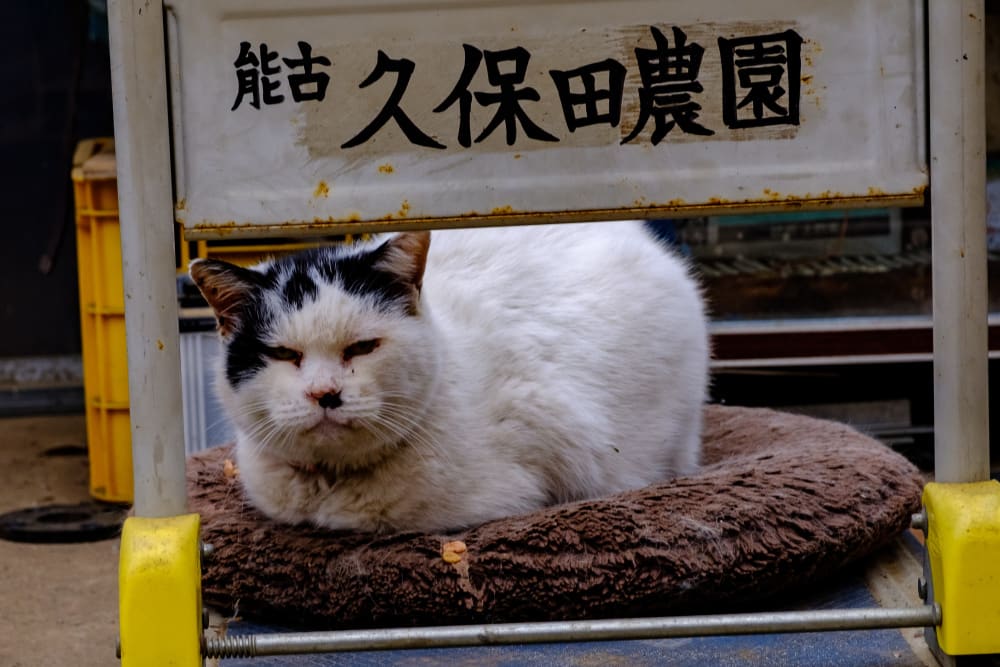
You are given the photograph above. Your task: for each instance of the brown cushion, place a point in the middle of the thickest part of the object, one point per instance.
(781, 502)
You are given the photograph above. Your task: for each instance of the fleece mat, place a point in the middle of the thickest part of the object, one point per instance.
(781, 502)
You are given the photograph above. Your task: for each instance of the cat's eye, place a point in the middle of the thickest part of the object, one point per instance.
(285, 354)
(361, 348)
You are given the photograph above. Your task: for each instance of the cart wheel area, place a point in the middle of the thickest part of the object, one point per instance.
(963, 541)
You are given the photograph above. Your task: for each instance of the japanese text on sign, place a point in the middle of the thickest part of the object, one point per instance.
(759, 87)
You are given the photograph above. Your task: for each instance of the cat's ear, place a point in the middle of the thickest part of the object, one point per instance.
(227, 289)
(405, 256)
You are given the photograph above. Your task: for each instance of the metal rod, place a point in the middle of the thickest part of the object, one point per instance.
(958, 212)
(565, 631)
(145, 203)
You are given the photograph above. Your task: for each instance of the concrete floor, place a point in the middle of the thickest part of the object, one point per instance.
(59, 602)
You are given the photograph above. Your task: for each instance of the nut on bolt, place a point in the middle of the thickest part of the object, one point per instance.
(918, 521)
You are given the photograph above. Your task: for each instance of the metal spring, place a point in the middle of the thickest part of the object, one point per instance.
(236, 646)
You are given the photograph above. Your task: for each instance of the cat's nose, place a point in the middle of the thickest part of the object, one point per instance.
(327, 400)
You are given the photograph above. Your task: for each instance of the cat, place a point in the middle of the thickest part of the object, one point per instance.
(397, 384)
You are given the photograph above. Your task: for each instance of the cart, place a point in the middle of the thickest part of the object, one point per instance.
(246, 118)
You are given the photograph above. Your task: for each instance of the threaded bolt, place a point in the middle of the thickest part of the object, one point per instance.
(239, 646)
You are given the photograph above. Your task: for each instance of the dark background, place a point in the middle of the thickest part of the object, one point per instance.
(55, 83)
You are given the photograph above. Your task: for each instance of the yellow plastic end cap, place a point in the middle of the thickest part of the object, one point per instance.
(963, 546)
(159, 592)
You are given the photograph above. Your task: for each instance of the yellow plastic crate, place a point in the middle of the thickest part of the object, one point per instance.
(102, 320)
(243, 254)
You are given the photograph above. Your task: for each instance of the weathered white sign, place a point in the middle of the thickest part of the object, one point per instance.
(318, 114)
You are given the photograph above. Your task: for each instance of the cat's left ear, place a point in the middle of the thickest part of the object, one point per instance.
(227, 288)
(405, 256)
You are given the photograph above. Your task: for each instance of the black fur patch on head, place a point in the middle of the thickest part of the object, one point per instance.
(355, 273)
(245, 353)
(298, 287)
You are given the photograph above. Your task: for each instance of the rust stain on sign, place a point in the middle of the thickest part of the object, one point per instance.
(386, 168)
(402, 213)
(771, 200)
(322, 190)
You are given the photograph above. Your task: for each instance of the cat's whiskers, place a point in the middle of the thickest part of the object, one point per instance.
(400, 420)
(391, 433)
(267, 433)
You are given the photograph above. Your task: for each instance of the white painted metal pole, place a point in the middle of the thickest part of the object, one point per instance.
(145, 197)
(958, 214)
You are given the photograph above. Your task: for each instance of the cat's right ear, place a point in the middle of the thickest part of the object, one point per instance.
(226, 287)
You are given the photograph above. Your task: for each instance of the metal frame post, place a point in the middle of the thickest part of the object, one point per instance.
(145, 194)
(958, 215)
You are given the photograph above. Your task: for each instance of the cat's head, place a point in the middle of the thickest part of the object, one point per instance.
(327, 353)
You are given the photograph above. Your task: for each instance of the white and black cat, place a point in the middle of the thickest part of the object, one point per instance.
(399, 384)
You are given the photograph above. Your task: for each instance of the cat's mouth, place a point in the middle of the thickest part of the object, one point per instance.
(328, 424)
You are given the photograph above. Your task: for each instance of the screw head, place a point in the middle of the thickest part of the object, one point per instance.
(918, 521)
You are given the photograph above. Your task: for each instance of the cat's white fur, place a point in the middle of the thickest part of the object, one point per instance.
(546, 364)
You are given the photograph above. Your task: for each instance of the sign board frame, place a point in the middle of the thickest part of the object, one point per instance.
(322, 116)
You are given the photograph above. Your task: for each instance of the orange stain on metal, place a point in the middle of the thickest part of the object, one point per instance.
(386, 168)
(159, 344)
(322, 190)
(355, 223)
(181, 204)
